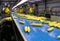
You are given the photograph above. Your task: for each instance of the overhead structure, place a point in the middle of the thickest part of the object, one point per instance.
(21, 2)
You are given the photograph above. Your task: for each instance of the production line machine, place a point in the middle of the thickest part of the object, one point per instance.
(35, 28)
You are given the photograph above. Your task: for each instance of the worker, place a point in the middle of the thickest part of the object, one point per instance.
(31, 10)
(21, 10)
(7, 10)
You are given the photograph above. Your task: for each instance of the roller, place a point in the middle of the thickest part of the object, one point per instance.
(26, 29)
(58, 36)
(50, 29)
(21, 22)
(34, 24)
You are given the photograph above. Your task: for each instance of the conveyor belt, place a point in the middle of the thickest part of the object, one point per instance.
(36, 33)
